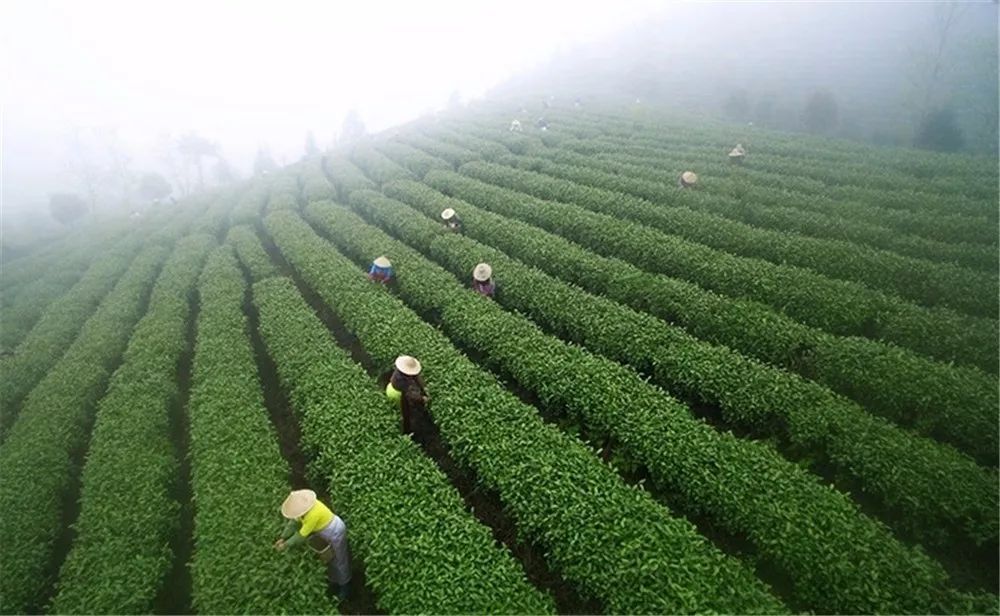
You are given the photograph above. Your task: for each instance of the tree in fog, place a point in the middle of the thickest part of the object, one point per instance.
(194, 148)
(939, 131)
(153, 186)
(223, 171)
(353, 128)
(311, 148)
(119, 171)
(67, 208)
(820, 114)
(263, 162)
(86, 167)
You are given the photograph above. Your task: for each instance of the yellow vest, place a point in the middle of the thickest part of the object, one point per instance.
(316, 519)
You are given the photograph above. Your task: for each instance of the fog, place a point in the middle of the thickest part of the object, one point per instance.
(886, 65)
(247, 75)
(113, 85)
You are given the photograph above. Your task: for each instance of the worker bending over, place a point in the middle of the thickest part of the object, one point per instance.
(542, 124)
(737, 154)
(451, 220)
(688, 179)
(381, 270)
(515, 126)
(482, 280)
(406, 389)
(309, 520)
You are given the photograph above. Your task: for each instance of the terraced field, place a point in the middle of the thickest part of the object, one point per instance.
(776, 392)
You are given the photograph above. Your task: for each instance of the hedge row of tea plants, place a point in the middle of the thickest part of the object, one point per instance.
(251, 252)
(804, 528)
(740, 193)
(896, 467)
(56, 329)
(834, 306)
(236, 462)
(951, 403)
(128, 512)
(423, 552)
(38, 461)
(611, 541)
(376, 165)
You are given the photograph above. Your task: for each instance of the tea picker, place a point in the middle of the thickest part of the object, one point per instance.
(451, 220)
(737, 154)
(515, 126)
(309, 521)
(688, 179)
(381, 270)
(406, 389)
(482, 280)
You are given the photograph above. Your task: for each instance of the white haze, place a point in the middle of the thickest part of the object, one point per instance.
(247, 74)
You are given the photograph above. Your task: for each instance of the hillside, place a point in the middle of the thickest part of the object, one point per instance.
(775, 391)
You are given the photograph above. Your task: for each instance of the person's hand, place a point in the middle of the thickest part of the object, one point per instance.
(279, 545)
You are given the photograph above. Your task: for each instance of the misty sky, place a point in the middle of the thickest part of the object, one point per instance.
(246, 73)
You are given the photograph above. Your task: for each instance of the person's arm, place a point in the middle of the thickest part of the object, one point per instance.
(290, 527)
(294, 540)
(288, 535)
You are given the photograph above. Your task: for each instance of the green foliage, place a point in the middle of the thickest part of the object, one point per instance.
(639, 559)
(57, 328)
(452, 154)
(236, 466)
(835, 306)
(930, 283)
(345, 176)
(891, 464)
(251, 253)
(37, 460)
(313, 181)
(951, 403)
(52, 279)
(283, 192)
(774, 201)
(402, 515)
(417, 161)
(127, 505)
(249, 205)
(376, 165)
(791, 519)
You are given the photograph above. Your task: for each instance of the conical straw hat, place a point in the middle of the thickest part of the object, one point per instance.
(382, 262)
(447, 213)
(482, 272)
(689, 177)
(408, 365)
(298, 503)
(736, 152)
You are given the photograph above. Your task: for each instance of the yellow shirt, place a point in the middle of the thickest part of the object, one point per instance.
(316, 519)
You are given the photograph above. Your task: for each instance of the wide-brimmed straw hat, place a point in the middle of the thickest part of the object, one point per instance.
(737, 152)
(382, 262)
(447, 213)
(482, 272)
(298, 503)
(689, 177)
(408, 365)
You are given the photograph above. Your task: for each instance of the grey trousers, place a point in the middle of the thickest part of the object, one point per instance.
(335, 533)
